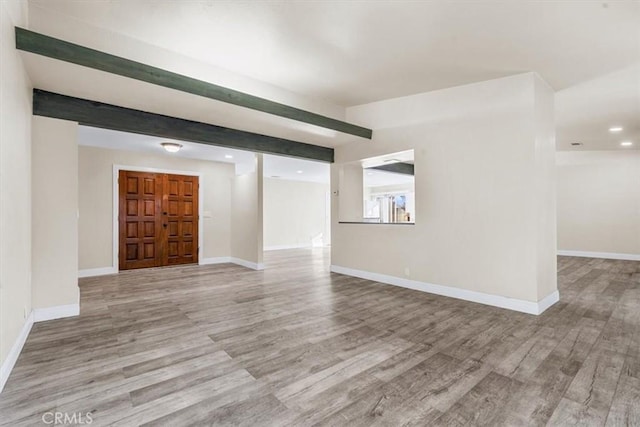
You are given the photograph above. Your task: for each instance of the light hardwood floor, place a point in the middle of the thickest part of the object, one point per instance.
(296, 345)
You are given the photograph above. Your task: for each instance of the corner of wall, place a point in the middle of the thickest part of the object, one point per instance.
(15, 217)
(484, 176)
(260, 211)
(247, 215)
(545, 167)
(54, 245)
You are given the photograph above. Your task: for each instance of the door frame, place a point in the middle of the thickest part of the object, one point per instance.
(116, 207)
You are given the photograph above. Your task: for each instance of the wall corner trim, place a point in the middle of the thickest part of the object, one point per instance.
(514, 304)
(248, 264)
(232, 260)
(605, 255)
(548, 301)
(215, 260)
(57, 312)
(14, 352)
(285, 247)
(92, 272)
(36, 315)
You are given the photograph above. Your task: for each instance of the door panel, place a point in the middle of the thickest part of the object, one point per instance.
(158, 219)
(139, 219)
(180, 211)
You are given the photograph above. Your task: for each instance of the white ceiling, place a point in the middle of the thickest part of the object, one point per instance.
(295, 169)
(585, 112)
(86, 83)
(355, 52)
(281, 167)
(116, 140)
(406, 156)
(378, 178)
(323, 56)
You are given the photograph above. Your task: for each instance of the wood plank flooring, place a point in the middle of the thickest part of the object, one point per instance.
(296, 345)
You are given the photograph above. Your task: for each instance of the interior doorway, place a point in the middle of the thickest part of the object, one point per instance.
(296, 204)
(157, 219)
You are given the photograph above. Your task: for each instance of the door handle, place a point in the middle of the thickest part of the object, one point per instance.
(164, 213)
(164, 225)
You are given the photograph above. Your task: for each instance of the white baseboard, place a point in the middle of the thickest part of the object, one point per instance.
(606, 255)
(232, 260)
(548, 301)
(92, 272)
(215, 260)
(36, 315)
(57, 312)
(14, 352)
(248, 264)
(448, 291)
(284, 247)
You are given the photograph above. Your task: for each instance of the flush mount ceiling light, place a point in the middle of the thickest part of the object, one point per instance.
(615, 129)
(171, 147)
(626, 143)
(228, 156)
(298, 171)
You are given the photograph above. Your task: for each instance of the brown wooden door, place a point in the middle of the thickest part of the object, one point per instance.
(158, 219)
(140, 219)
(180, 211)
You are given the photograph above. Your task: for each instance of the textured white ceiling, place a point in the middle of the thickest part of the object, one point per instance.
(354, 52)
(295, 169)
(278, 166)
(322, 56)
(377, 178)
(585, 112)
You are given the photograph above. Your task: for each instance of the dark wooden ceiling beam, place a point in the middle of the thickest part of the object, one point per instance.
(107, 116)
(403, 168)
(30, 41)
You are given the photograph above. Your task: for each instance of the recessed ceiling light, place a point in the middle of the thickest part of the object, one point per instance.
(369, 173)
(615, 129)
(298, 171)
(228, 156)
(171, 147)
(626, 143)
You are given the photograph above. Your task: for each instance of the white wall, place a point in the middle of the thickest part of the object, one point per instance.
(247, 217)
(484, 190)
(351, 191)
(599, 202)
(54, 240)
(15, 181)
(545, 187)
(294, 213)
(96, 201)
